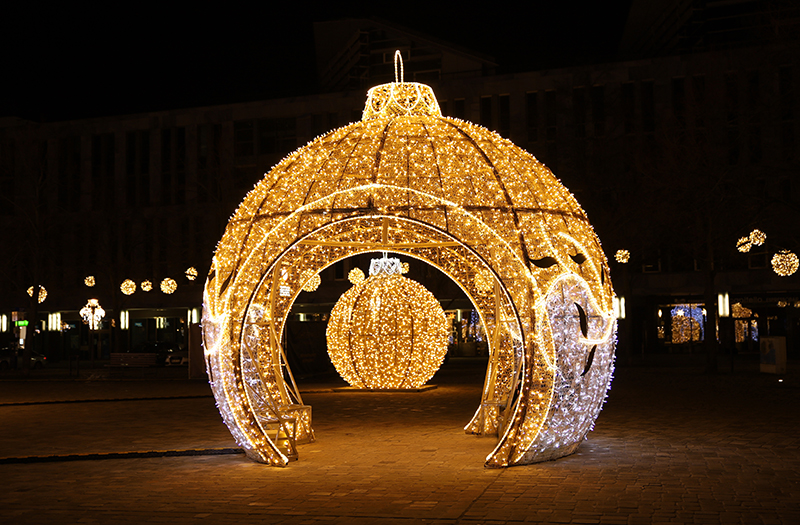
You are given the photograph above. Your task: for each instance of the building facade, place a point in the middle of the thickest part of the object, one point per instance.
(674, 157)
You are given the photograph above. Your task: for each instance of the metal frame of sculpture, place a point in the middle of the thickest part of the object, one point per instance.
(489, 215)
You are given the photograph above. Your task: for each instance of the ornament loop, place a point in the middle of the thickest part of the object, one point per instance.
(398, 57)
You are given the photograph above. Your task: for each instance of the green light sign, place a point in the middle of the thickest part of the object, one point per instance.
(21, 323)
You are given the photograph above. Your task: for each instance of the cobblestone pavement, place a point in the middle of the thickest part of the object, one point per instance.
(671, 446)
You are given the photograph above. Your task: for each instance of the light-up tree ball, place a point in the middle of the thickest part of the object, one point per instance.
(785, 263)
(387, 331)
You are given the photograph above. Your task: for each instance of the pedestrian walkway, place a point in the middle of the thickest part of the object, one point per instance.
(672, 445)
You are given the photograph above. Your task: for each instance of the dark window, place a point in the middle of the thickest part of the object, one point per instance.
(753, 92)
(733, 145)
(785, 189)
(243, 138)
(166, 166)
(785, 93)
(699, 99)
(149, 241)
(69, 173)
(786, 101)
(579, 111)
(504, 115)
(628, 107)
(679, 101)
(731, 99)
(459, 109)
(208, 161)
(754, 143)
(486, 111)
(208, 142)
(162, 238)
(552, 156)
(277, 136)
(787, 140)
(322, 123)
(550, 115)
(648, 106)
(532, 116)
(7, 173)
(137, 167)
(103, 171)
(180, 165)
(599, 110)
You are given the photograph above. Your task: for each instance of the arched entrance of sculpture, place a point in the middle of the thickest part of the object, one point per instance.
(268, 385)
(407, 180)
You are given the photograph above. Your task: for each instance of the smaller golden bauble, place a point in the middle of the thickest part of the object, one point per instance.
(387, 331)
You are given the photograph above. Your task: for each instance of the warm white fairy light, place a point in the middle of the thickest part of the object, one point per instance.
(757, 237)
(168, 285)
(484, 281)
(355, 276)
(89, 281)
(445, 191)
(42, 293)
(127, 287)
(744, 244)
(92, 314)
(785, 263)
(622, 256)
(387, 331)
(310, 280)
(147, 285)
(191, 273)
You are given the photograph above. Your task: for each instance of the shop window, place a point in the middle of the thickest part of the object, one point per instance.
(686, 321)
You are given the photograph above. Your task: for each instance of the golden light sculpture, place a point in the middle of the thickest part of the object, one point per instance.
(622, 256)
(356, 275)
(92, 314)
(784, 263)
(128, 287)
(310, 280)
(42, 293)
(409, 181)
(168, 285)
(387, 332)
(147, 285)
(89, 281)
(744, 244)
(757, 237)
(484, 281)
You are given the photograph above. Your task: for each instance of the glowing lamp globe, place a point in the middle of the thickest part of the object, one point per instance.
(387, 331)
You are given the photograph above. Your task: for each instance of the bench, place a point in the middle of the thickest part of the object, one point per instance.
(125, 360)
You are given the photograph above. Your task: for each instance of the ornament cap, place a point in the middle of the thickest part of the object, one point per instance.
(400, 98)
(385, 265)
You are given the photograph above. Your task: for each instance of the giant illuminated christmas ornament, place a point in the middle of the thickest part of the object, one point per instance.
(407, 180)
(387, 331)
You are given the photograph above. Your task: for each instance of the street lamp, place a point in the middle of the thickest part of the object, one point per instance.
(92, 314)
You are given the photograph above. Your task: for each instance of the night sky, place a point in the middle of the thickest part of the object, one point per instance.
(64, 63)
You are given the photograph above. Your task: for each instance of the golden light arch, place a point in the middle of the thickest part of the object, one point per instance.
(407, 180)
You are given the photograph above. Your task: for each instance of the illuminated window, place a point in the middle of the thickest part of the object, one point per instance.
(687, 323)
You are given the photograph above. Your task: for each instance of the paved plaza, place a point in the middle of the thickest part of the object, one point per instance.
(672, 445)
